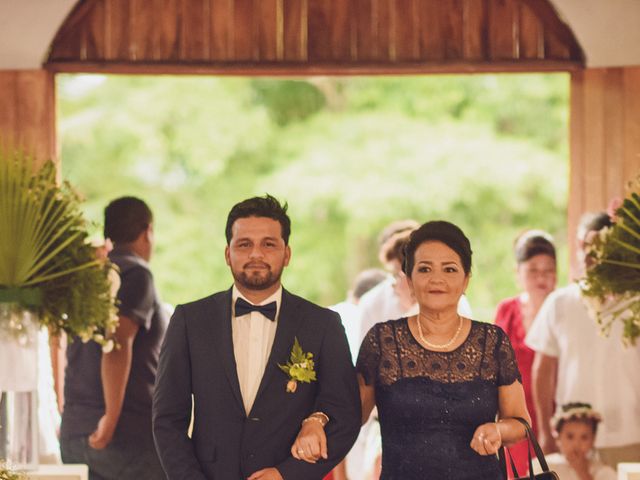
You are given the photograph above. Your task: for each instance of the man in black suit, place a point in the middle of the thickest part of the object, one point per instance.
(222, 356)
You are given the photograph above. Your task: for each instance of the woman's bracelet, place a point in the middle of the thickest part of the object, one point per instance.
(498, 430)
(319, 417)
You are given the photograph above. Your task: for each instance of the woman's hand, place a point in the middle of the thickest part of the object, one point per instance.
(487, 439)
(311, 443)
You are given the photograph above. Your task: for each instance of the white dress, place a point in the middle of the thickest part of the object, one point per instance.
(558, 463)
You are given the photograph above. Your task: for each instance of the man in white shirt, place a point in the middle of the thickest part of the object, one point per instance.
(575, 363)
(264, 368)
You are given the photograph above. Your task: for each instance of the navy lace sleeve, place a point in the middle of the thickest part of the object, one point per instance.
(369, 356)
(508, 371)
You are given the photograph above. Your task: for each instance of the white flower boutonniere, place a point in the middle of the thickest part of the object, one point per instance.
(299, 368)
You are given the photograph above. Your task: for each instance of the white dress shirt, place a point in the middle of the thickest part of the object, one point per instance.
(253, 335)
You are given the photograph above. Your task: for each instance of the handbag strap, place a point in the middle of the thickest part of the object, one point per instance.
(534, 443)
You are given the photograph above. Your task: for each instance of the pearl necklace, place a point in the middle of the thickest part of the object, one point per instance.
(435, 345)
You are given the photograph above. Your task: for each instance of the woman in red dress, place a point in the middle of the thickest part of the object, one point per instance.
(536, 274)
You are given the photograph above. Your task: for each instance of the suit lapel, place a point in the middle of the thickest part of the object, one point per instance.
(223, 340)
(288, 324)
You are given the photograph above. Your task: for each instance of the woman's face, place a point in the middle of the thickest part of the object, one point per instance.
(575, 439)
(537, 276)
(437, 279)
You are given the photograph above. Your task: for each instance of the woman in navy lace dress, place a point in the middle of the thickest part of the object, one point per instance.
(445, 386)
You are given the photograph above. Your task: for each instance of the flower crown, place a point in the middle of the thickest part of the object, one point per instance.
(575, 411)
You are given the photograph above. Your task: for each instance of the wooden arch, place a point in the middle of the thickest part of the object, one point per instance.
(313, 37)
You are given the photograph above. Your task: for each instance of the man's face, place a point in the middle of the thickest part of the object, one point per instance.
(257, 253)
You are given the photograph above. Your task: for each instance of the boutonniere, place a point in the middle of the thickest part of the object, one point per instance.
(299, 368)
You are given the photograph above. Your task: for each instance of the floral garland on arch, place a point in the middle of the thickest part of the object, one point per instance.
(612, 285)
(47, 264)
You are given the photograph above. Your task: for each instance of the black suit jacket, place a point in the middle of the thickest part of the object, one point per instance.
(197, 361)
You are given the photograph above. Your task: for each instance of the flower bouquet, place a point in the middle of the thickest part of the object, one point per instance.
(47, 265)
(612, 284)
(7, 474)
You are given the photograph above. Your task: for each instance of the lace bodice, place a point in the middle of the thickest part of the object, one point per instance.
(430, 403)
(389, 352)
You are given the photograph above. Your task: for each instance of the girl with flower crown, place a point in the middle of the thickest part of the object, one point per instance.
(575, 426)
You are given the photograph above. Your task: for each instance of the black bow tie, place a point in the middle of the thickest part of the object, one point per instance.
(243, 307)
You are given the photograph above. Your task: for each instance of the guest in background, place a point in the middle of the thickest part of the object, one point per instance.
(349, 312)
(575, 361)
(349, 309)
(574, 427)
(535, 257)
(106, 421)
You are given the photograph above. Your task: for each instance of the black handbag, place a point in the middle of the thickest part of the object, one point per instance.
(546, 473)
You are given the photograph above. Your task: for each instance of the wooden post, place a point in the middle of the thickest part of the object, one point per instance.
(605, 140)
(27, 113)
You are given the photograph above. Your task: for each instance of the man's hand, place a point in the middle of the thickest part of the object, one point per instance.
(266, 474)
(103, 433)
(311, 443)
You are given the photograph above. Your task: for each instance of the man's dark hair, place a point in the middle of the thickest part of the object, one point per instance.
(266, 206)
(366, 280)
(125, 219)
(593, 222)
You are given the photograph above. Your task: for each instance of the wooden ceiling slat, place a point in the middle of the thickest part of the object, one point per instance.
(118, 29)
(362, 11)
(319, 21)
(267, 29)
(141, 30)
(194, 38)
(384, 43)
(95, 36)
(503, 16)
(406, 29)
(244, 25)
(431, 39)
(169, 27)
(340, 31)
(221, 18)
(294, 19)
(474, 31)
(531, 34)
(355, 33)
(452, 13)
(553, 46)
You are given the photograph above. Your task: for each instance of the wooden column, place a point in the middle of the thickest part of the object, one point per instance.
(605, 139)
(27, 112)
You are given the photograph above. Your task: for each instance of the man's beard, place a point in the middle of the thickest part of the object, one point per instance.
(257, 281)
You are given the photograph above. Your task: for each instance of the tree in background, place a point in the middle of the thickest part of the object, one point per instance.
(488, 152)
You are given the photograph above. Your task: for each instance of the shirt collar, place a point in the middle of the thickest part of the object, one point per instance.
(275, 297)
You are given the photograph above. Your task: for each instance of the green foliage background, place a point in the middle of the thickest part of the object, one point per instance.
(488, 152)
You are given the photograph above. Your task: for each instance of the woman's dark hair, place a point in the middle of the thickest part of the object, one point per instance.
(125, 218)
(439, 231)
(531, 243)
(266, 206)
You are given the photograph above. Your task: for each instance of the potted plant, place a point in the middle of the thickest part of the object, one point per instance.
(49, 277)
(612, 284)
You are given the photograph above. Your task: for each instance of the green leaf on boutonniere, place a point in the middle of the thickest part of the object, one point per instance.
(300, 367)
